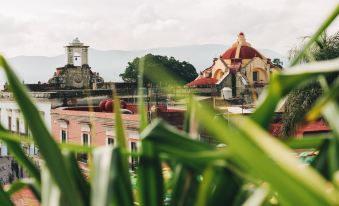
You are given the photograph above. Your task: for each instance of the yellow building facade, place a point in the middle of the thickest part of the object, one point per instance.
(238, 68)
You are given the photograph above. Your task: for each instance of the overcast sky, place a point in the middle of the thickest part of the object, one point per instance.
(40, 27)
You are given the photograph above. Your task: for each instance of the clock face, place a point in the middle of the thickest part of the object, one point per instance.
(77, 78)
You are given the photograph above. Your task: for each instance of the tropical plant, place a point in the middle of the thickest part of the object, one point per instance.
(301, 100)
(254, 168)
(159, 65)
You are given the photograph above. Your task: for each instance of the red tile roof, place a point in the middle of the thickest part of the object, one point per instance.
(246, 52)
(106, 115)
(202, 81)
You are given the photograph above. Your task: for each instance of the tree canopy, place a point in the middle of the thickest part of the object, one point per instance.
(161, 67)
(302, 99)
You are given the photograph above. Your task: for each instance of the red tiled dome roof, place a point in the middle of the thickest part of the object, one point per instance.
(202, 81)
(246, 52)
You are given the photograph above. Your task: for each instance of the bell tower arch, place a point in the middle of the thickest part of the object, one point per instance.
(77, 53)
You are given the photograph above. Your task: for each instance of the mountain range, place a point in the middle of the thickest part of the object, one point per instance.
(111, 63)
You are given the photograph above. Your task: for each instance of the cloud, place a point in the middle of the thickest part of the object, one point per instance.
(44, 27)
(12, 33)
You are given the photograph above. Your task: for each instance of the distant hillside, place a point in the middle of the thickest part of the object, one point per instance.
(111, 63)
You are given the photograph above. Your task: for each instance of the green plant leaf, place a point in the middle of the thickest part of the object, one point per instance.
(76, 148)
(150, 179)
(120, 134)
(185, 186)
(258, 197)
(320, 163)
(306, 143)
(224, 187)
(82, 184)
(48, 148)
(178, 145)
(329, 96)
(252, 146)
(18, 154)
(110, 180)
(51, 195)
(204, 189)
(23, 183)
(281, 84)
(141, 103)
(5, 200)
(119, 128)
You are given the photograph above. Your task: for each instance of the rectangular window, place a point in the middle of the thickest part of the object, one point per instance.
(85, 141)
(255, 76)
(9, 123)
(133, 146)
(63, 136)
(110, 141)
(26, 130)
(17, 126)
(134, 160)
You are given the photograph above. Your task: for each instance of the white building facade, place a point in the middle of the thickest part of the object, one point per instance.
(12, 119)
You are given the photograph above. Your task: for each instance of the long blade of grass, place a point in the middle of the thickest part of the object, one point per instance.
(15, 138)
(5, 200)
(173, 139)
(23, 183)
(183, 176)
(141, 103)
(19, 154)
(82, 184)
(252, 145)
(51, 195)
(331, 111)
(186, 182)
(110, 184)
(257, 198)
(281, 84)
(306, 143)
(180, 146)
(149, 170)
(204, 189)
(320, 163)
(76, 148)
(5, 135)
(121, 180)
(16, 186)
(187, 120)
(224, 187)
(150, 179)
(119, 128)
(47, 146)
(121, 158)
(329, 96)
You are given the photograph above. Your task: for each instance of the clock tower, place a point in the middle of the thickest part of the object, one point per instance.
(77, 53)
(76, 74)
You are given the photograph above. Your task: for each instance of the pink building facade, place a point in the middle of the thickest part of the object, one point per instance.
(92, 128)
